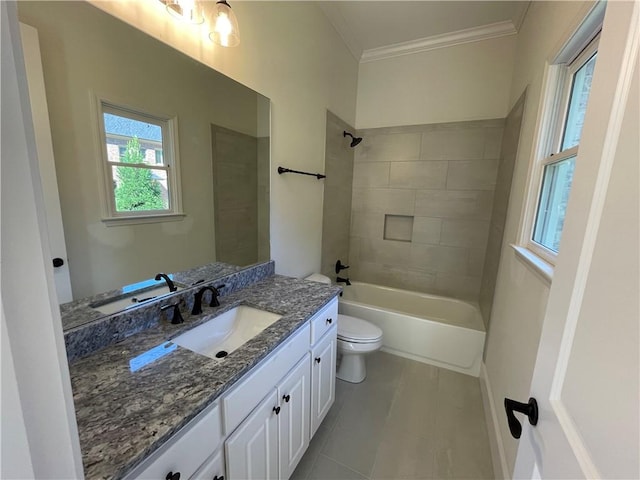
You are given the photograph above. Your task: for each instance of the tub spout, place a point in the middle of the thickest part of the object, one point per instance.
(343, 280)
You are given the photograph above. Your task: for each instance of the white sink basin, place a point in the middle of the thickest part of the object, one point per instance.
(136, 298)
(225, 333)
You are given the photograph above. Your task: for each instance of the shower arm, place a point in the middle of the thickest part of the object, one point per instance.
(282, 170)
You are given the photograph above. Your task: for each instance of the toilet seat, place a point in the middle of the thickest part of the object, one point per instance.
(356, 330)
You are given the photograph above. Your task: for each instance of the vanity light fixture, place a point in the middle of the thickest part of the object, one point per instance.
(224, 25)
(188, 10)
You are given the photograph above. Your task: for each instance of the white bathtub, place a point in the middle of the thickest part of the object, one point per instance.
(442, 331)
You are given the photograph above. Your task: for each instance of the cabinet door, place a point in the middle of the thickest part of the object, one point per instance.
(213, 468)
(294, 394)
(323, 378)
(252, 450)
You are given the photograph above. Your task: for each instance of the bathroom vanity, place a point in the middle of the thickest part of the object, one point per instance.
(147, 408)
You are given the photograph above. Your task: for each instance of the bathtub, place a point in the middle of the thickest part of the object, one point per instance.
(441, 331)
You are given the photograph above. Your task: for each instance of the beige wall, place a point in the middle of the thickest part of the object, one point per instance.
(290, 53)
(336, 216)
(521, 295)
(453, 84)
(441, 179)
(85, 51)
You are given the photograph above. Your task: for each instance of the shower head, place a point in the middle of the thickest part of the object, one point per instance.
(354, 140)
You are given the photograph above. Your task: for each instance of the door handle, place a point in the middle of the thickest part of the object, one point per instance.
(530, 409)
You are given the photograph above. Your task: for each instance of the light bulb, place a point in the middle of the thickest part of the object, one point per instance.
(225, 25)
(223, 28)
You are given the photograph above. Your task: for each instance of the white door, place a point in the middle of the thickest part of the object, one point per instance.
(294, 393)
(586, 378)
(323, 378)
(252, 450)
(44, 145)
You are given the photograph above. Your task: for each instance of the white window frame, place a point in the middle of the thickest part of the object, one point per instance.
(171, 157)
(554, 104)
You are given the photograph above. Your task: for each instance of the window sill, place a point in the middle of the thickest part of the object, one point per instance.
(543, 269)
(134, 220)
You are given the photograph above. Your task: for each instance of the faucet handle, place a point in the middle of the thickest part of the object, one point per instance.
(176, 319)
(340, 266)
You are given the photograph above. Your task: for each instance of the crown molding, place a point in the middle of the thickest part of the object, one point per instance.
(340, 25)
(493, 30)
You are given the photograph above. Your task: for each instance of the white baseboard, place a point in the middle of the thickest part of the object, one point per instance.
(498, 458)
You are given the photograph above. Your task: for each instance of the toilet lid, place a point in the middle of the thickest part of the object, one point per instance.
(357, 330)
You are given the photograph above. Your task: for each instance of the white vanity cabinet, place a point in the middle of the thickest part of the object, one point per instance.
(267, 418)
(271, 441)
(213, 468)
(323, 378)
(186, 451)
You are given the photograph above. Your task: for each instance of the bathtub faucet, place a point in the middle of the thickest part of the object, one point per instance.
(343, 280)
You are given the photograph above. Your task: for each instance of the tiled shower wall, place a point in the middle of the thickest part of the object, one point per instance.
(433, 185)
(336, 210)
(507, 163)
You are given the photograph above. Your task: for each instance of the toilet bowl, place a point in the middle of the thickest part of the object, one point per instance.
(356, 338)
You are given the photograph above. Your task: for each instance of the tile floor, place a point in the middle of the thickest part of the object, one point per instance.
(407, 420)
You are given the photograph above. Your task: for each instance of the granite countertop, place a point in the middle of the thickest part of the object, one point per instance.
(123, 415)
(78, 312)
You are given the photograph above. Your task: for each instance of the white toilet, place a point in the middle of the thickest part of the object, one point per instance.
(356, 338)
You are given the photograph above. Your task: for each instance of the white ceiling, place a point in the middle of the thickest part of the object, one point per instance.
(371, 28)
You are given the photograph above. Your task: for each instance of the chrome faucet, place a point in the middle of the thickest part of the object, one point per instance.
(197, 298)
(172, 287)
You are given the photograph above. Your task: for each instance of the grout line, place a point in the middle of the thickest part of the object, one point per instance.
(396, 393)
(368, 477)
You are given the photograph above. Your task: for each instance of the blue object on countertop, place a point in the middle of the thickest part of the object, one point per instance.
(150, 356)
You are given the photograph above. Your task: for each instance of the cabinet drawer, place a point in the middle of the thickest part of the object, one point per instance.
(242, 399)
(322, 321)
(186, 450)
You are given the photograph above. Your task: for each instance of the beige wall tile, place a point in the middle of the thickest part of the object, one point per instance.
(388, 276)
(431, 175)
(386, 252)
(384, 200)
(368, 225)
(490, 271)
(472, 175)
(453, 144)
(336, 218)
(371, 174)
(444, 176)
(385, 148)
(458, 286)
(492, 143)
(464, 233)
(476, 262)
(436, 258)
(454, 204)
(427, 230)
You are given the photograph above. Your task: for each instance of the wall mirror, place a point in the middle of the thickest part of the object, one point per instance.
(222, 142)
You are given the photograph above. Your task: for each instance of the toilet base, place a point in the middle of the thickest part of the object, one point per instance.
(352, 368)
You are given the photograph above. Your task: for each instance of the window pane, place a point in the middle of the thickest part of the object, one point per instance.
(137, 189)
(552, 206)
(136, 141)
(578, 99)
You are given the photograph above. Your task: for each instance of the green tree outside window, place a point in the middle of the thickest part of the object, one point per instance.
(136, 189)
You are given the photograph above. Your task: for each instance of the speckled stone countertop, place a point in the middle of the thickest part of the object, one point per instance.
(123, 416)
(79, 312)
